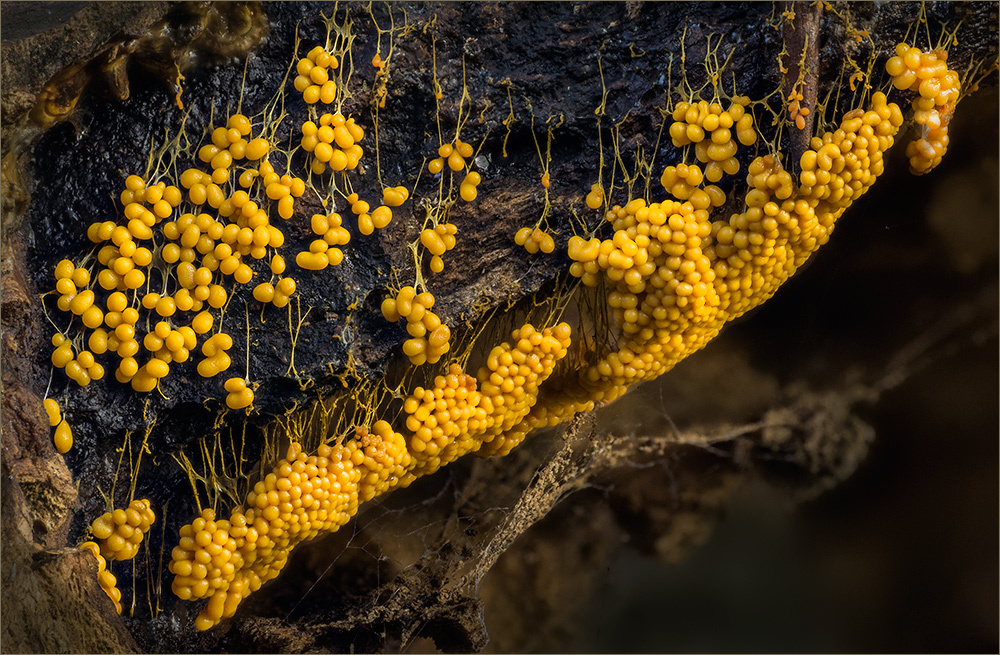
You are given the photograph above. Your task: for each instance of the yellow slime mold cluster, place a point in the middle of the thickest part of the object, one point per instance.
(105, 577)
(534, 240)
(180, 267)
(429, 337)
(673, 270)
(307, 495)
(120, 532)
(711, 129)
(676, 276)
(939, 88)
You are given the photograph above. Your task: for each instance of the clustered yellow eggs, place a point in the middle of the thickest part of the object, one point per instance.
(677, 276)
(377, 219)
(323, 252)
(510, 381)
(81, 367)
(710, 129)
(429, 337)
(304, 496)
(105, 578)
(334, 143)
(438, 240)
(684, 182)
(445, 418)
(461, 414)
(278, 294)
(455, 155)
(313, 77)
(229, 145)
(69, 280)
(534, 240)
(796, 112)
(189, 264)
(939, 89)
(238, 395)
(121, 532)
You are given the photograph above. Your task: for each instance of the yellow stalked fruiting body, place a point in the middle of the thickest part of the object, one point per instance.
(534, 240)
(64, 437)
(394, 196)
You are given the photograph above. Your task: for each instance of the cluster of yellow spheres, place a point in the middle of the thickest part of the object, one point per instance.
(80, 367)
(370, 219)
(121, 532)
(710, 129)
(69, 280)
(510, 380)
(438, 240)
(462, 414)
(939, 87)
(534, 240)
(63, 438)
(313, 77)
(455, 155)
(444, 419)
(304, 496)
(105, 577)
(184, 266)
(229, 145)
(684, 182)
(278, 294)
(796, 112)
(677, 276)
(334, 143)
(429, 337)
(324, 252)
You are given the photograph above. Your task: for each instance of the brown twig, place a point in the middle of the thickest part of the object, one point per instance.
(801, 37)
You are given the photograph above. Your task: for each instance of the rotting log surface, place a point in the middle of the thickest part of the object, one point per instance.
(549, 54)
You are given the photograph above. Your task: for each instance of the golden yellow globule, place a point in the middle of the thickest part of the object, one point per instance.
(53, 411)
(63, 437)
(239, 395)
